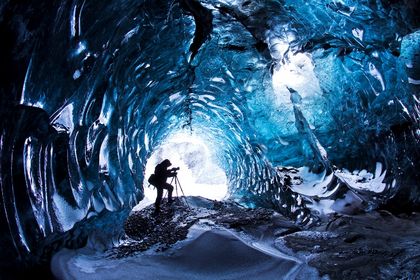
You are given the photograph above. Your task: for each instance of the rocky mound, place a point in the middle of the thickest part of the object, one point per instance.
(171, 225)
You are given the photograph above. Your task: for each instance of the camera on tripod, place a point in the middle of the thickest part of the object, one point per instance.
(175, 169)
(175, 180)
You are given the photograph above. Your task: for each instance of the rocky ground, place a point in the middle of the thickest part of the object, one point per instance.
(146, 229)
(374, 245)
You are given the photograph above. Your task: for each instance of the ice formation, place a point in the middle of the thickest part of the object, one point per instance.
(303, 107)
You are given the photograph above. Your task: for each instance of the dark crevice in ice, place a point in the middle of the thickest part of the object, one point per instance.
(203, 23)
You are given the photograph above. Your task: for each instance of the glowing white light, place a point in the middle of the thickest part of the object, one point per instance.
(297, 73)
(278, 48)
(199, 173)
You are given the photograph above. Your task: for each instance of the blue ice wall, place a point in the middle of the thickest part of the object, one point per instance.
(275, 88)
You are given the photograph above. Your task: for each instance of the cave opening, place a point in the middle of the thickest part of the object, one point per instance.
(200, 173)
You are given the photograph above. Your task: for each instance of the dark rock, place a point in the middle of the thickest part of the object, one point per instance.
(368, 246)
(353, 237)
(288, 231)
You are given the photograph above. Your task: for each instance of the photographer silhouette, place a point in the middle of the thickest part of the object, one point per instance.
(162, 173)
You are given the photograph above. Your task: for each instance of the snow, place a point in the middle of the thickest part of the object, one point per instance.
(228, 257)
(364, 180)
(314, 184)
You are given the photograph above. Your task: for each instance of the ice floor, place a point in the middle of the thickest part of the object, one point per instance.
(222, 240)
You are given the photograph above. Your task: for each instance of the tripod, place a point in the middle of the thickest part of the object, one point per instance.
(178, 185)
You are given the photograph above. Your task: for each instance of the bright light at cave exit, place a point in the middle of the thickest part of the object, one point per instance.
(199, 173)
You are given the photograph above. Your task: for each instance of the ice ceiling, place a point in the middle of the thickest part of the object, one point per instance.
(329, 88)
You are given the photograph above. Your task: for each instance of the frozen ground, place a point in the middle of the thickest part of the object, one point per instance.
(209, 254)
(222, 240)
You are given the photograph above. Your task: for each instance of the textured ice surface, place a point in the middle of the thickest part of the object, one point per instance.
(327, 87)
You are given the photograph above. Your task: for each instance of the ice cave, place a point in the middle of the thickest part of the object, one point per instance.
(295, 125)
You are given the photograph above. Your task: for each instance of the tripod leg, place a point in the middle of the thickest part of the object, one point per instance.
(176, 187)
(182, 191)
(180, 186)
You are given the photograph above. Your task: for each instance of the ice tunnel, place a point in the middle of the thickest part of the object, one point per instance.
(304, 107)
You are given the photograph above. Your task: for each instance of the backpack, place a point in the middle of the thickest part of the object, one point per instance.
(152, 179)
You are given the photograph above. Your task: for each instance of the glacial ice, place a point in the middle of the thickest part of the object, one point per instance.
(324, 91)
